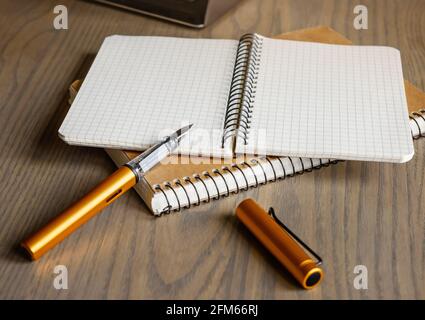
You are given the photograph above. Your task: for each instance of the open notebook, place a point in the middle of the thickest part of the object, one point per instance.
(172, 187)
(255, 96)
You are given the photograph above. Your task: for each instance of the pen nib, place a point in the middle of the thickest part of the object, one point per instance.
(181, 132)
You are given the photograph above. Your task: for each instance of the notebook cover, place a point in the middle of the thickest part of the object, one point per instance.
(180, 167)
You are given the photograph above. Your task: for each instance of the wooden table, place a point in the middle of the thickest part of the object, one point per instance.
(353, 213)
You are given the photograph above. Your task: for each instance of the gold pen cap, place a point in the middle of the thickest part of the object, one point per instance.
(281, 242)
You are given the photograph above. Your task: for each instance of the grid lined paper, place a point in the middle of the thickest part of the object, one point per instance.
(141, 88)
(330, 101)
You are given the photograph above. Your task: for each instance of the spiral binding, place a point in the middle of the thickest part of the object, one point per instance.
(416, 117)
(243, 88)
(218, 174)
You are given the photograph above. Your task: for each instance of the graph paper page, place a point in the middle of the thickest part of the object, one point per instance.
(329, 101)
(142, 88)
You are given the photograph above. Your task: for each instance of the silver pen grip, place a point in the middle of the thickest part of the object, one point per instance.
(151, 157)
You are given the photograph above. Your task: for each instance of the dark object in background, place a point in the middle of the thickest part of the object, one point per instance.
(193, 13)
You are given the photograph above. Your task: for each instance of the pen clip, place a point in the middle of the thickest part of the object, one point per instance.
(294, 236)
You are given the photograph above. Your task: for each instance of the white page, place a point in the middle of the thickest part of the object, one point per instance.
(140, 88)
(330, 101)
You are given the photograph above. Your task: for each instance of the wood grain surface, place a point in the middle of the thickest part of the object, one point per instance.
(353, 213)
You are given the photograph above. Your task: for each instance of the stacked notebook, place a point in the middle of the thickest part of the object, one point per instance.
(259, 98)
(255, 95)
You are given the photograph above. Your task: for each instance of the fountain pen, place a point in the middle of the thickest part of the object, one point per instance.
(101, 196)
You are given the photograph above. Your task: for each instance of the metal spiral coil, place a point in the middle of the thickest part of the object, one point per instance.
(228, 172)
(416, 117)
(238, 114)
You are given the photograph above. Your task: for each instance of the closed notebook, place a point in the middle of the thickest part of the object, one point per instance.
(172, 187)
(255, 95)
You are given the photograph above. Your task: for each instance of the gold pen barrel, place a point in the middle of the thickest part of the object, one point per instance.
(80, 212)
(279, 243)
